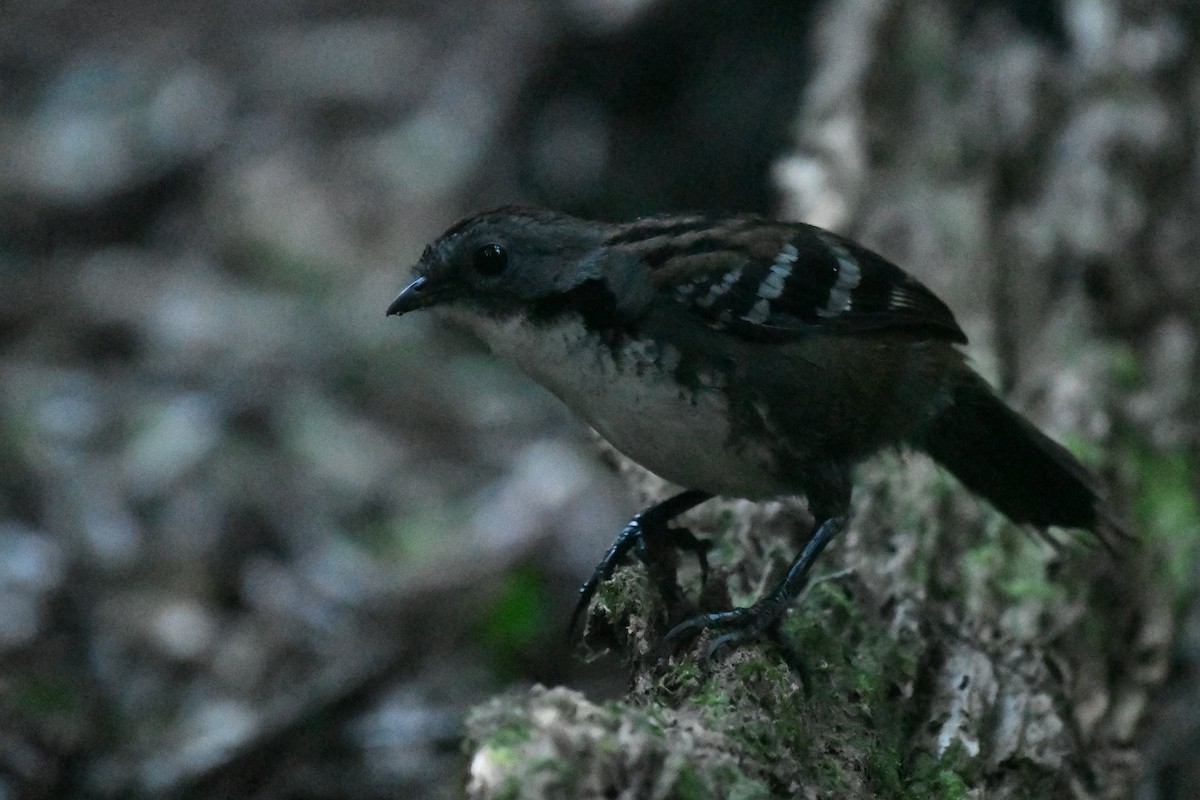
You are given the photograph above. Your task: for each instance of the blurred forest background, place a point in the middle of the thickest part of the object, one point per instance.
(258, 540)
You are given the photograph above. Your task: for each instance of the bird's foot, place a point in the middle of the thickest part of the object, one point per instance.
(650, 537)
(732, 628)
(740, 626)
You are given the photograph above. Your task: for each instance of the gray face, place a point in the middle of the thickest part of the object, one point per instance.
(499, 262)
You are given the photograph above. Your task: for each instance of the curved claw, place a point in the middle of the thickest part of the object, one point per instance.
(653, 521)
(692, 627)
(731, 639)
(687, 630)
(585, 599)
(750, 625)
(603, 572)
(741, 626)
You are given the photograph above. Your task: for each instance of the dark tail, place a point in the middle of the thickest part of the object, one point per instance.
(1002, 457)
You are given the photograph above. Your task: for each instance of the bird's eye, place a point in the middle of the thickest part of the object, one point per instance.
(491, 259)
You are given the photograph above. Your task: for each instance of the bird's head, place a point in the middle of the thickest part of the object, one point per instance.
(503, 262)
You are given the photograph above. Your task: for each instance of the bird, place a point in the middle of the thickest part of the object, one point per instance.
(740, 356)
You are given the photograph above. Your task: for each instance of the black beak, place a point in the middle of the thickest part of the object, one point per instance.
(410, 299)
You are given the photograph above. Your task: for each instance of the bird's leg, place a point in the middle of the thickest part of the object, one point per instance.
(658, 553)
(647, 532)
(741, 625)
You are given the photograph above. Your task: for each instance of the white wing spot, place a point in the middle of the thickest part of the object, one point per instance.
(718, 289)
(900, 299)
(787, 256)
(759, 312)
(849, 275)
(772, 285)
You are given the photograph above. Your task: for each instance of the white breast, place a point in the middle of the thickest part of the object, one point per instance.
(630, 396)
